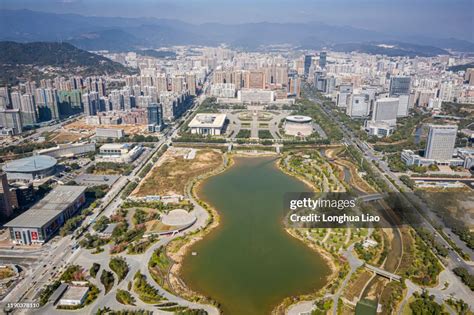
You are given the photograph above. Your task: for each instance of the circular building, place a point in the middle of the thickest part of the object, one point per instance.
(37, 166)
(297, 125)
(178, 218)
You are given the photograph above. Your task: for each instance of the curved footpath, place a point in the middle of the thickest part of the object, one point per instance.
(136, 263)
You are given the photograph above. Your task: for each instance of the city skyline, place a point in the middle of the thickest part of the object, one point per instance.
(152, 154)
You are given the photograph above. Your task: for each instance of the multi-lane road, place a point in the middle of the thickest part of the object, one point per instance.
(454, 259)
(53, 258)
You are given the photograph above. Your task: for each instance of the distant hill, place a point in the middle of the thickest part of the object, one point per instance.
(157, 53)
(391, 49)
(30, 60)
(129, 34)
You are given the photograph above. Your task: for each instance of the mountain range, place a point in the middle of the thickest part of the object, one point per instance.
(32, 61)
(125, 34)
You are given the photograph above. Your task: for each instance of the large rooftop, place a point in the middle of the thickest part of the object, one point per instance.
(115, 146)
(30, 164)
(298, 118)
(48, 208)
(62, 195)
(210, 120)
(74, 293)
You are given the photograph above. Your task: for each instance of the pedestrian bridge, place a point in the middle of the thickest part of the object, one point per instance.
(383, 273)
(372, 197)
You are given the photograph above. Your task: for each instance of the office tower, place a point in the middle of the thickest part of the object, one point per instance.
(440, 143)
(359, 105)
(154, 117)
(403, 101)
(91, 103)
(325, 84)
(322, 59)
(385, 110)
(399, 85)
(5, 206)
(11, 119)
(294, 86)
(28, 109)
(342, 98)
(308, 60)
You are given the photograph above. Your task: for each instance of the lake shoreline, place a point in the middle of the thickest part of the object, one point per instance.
(174, 276)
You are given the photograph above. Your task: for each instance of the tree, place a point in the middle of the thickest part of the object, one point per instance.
(124, 297)
(120, 267)
(107, 279)
(94, 269)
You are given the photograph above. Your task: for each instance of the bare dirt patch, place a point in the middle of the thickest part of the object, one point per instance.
(82, 125)
(171, 175)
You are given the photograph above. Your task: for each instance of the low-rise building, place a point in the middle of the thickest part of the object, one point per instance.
(297, 125)
(467, 155)
(208, 124)
(113, 133)
(68, 150)
(74, 295)
(119, 152)
(40, 222)
(255, 96)
(412, 158)
(30, 168)
(378, 128)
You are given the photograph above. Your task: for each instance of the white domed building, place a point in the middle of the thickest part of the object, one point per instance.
(298, 125)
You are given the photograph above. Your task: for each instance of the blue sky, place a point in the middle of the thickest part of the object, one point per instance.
(439, 18)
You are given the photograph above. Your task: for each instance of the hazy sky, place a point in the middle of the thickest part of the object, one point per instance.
(439, 18)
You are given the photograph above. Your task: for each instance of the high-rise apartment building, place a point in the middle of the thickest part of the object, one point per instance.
(191, 83)
(91, 103)
(28, 109)
(11, 119)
